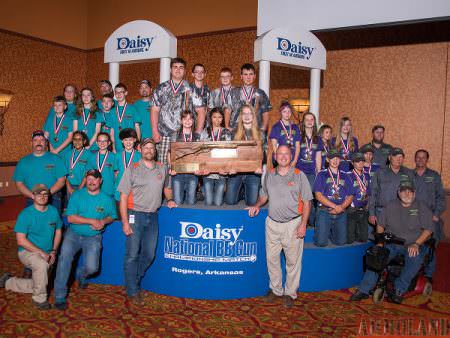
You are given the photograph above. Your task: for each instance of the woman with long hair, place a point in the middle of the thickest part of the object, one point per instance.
(86, 118)
(325, 134)
(247, 130)
(345, 143)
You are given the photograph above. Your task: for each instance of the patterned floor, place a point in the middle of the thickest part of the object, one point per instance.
(104, 311)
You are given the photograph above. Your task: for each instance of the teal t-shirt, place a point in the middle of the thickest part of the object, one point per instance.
(76, 162)
(89, 127)
(45, 169)
(143, 110)
(120, 166)
(104, 163)
(64, 126)
(107, 121)
(123, 117)
(83, 204)
(39, 226)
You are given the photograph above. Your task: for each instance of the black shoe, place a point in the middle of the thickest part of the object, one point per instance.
(61, 306)
(270, 297)
(42, 306)
(358, 295)
(288, 301)
(4, 278)
(394, 298)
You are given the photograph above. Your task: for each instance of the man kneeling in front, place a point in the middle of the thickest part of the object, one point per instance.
(289, 195)
(38, 233)
(410, 220)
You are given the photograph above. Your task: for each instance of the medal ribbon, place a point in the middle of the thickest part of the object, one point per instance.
(346, 150)
(362, 183)
(335, 185)
(124, 159)
(187, 139)
(308, 144)
(86, 120)
(218, 135)
(74, 160)
(120, 116)
(224, 94)
(288, 135)
(100, 167)
(248, 98)
(57, 126)
(175, 88)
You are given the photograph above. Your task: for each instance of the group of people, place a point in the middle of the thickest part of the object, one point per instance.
(98, 151)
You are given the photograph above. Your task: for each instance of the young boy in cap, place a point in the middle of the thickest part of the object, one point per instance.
(143, 107)
(359, 188)
(58, 130)
(369, 166)
(128, 156)
(88, 212)
(38, 234)
(332, 193)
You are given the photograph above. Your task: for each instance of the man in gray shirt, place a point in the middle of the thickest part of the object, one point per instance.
(381, 150)
(140, 198)
(289, 194)
(429, 190)
(409, 219)
(385, 183)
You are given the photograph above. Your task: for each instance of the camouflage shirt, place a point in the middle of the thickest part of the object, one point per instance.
(253, 96)
(199, 96)
(171, 100)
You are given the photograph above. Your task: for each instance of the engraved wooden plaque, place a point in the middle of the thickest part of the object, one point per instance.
(240, 156)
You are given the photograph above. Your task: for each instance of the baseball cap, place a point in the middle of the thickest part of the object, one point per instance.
(332, 153)
(406, 185)
(38, 188)
(37, 133)
(107, 82)
(367, 148)
(147, 82)
(397, 151)
(357, 157)
(94, 173)
(147, 140)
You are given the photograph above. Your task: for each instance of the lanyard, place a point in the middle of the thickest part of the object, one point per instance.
(74, 160)
(120, 116)
(124, 159)
(100, 167)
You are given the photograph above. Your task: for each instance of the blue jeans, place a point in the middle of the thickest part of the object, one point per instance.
(326, 223)
(140, 249)
(184, 185)
(91, 248)
(251, 182)
(312, 216)
(213, 190)
(409, 271)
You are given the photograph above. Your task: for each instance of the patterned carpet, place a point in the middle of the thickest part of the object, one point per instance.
(103, 311)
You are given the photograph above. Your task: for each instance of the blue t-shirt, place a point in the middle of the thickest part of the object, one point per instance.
(45, 169)
(143, 110)
(359, 189)
(64, 126)
(346, 153)
(104, 163)
(122, 161)
(288, 135)
(335, 192)
(76, 162)
(39, 226)
(307, 158)
(88, 123)
(83, 204)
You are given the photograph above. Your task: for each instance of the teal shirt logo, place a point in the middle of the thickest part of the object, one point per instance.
(49, 167)
(52, 225)
(99, 209)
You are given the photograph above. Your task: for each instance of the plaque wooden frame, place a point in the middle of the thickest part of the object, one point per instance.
(215, 157)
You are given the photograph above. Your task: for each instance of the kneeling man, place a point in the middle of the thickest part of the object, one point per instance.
(289, 195)
(411, 220)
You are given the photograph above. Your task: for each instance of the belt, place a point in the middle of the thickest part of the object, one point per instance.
(285, 221)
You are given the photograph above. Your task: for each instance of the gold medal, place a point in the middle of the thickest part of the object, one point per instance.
(336, 196)
(55, 139)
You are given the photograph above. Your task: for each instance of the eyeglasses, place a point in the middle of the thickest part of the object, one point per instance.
(42, 194)
(102, 141)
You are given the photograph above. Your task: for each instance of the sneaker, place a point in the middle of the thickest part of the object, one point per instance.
(270, 297)
(4, 278)
(394, 298)
(358, 295)
(288, 301)
(42, 306)
(60, 306)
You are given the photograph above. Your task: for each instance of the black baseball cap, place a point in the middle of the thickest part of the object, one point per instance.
(332, 153)
(397, 151)
(367, 148)
(94, 173)
(407, 185)
(147, 140)
(357, 157)
(37, 133)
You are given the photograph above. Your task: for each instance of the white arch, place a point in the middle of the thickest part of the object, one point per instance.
(139, 41)
(295, 47)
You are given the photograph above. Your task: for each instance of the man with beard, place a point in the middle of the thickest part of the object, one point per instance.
(105, 89)
(140, 198)
(381, 150)
(410, 220)
(40, 167)
(143, 106)
(88, 212)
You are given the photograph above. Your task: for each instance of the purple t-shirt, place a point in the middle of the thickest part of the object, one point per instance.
(307, 158)
(288, 135)
(336, 191)
(360, 189)
(346, 153)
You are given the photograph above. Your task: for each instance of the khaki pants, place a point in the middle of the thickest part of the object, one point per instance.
(38, 284)
(282, 236)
